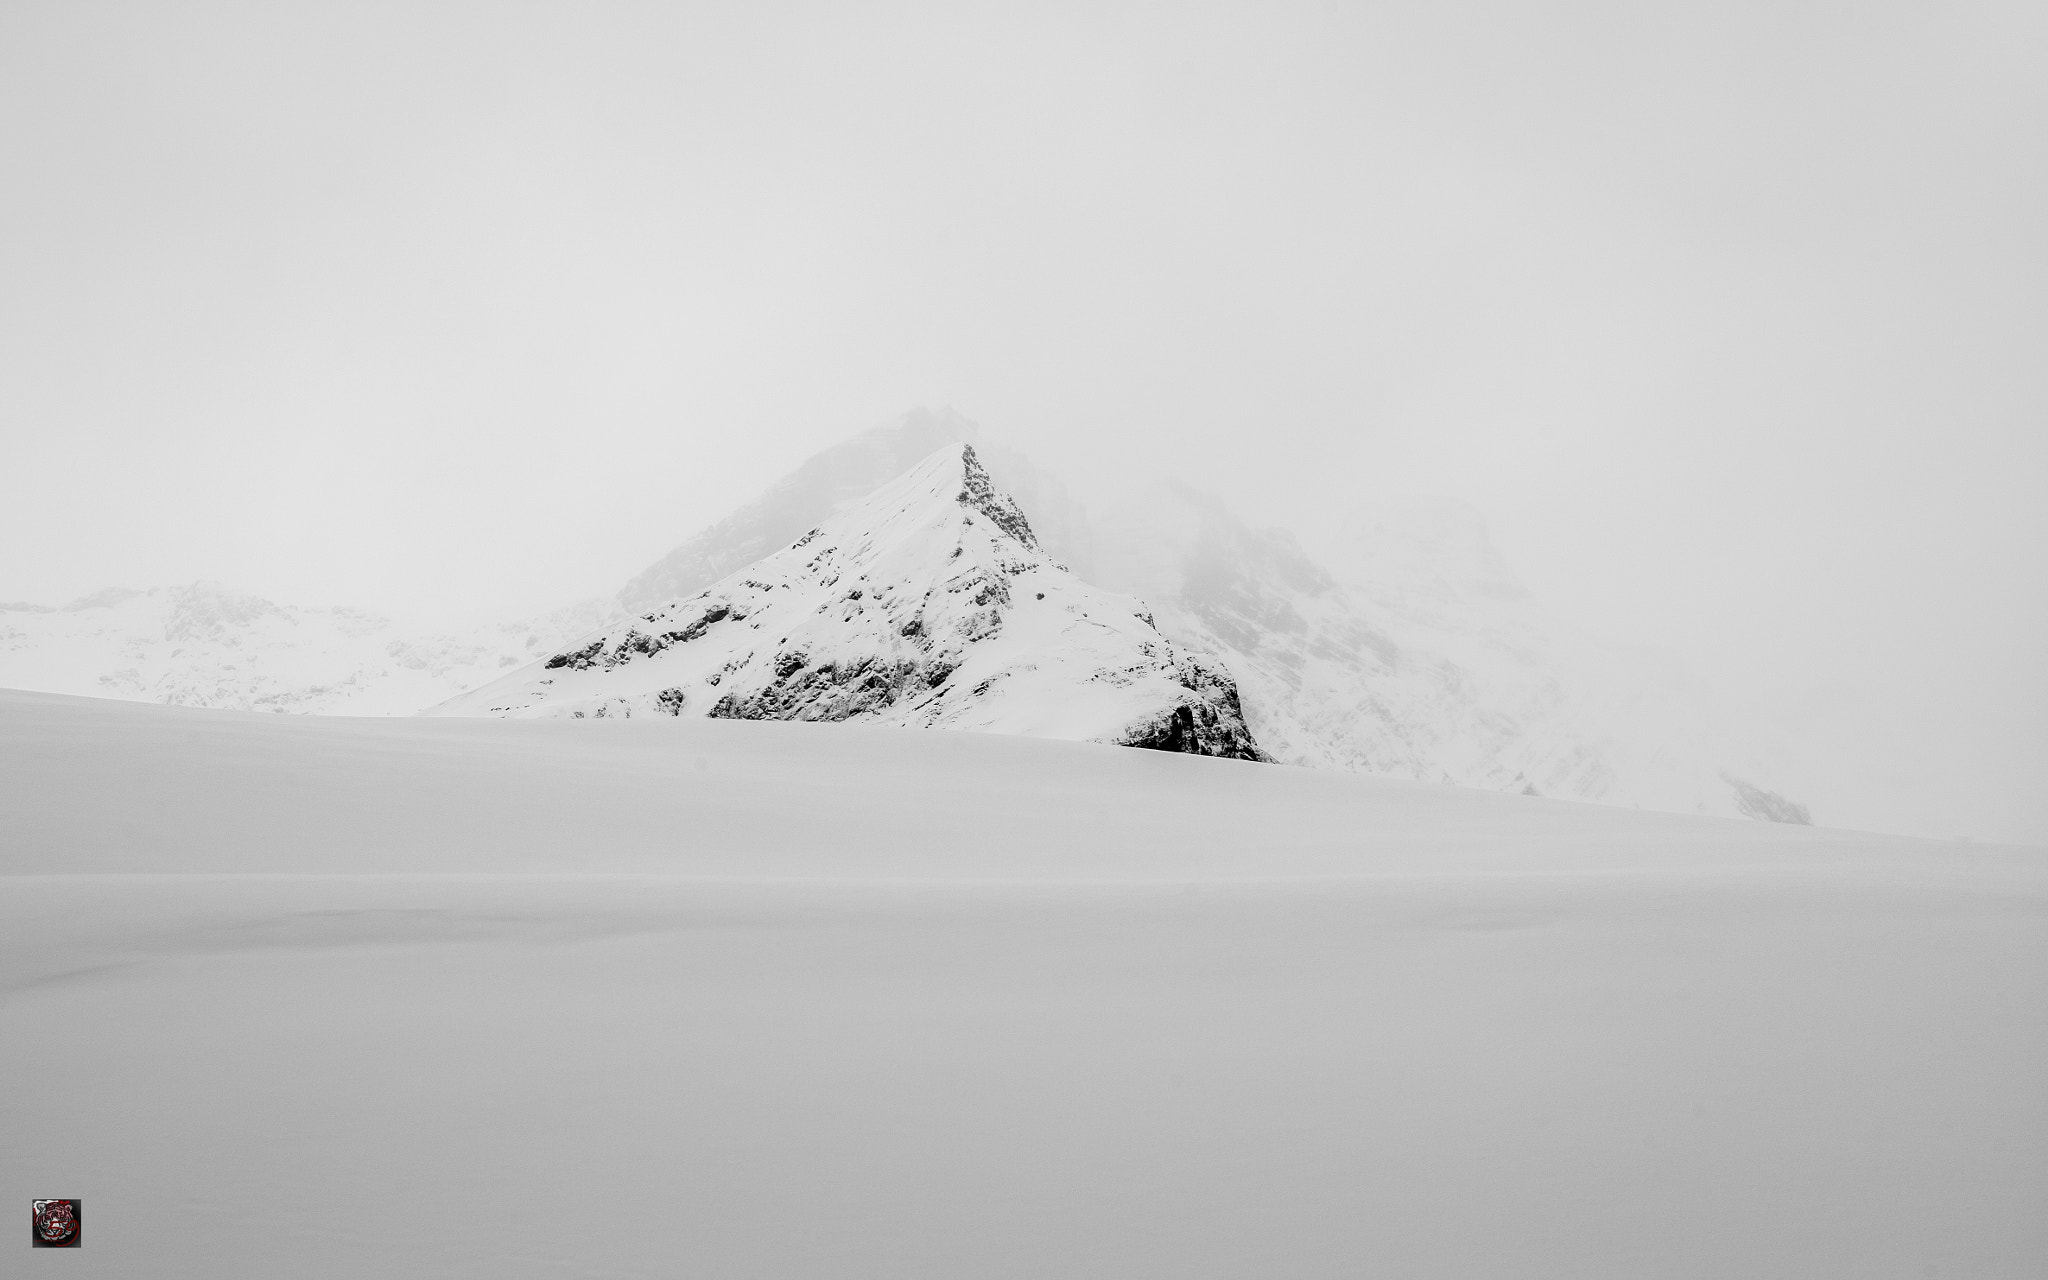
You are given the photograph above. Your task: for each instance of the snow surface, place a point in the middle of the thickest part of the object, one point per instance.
(927, 605)
(206, 645)
(311, 997)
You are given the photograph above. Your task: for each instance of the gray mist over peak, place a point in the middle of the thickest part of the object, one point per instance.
(1423, 536)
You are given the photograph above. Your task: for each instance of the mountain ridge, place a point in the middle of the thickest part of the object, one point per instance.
(929, 604)
(1404, 646)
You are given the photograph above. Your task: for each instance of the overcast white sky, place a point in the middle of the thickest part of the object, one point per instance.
(1732, 316)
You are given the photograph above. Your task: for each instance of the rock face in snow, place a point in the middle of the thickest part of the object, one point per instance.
(929, 604)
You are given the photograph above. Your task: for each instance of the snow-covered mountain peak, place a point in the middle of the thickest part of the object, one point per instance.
(928, 604)
(838, 478)
(978, 494)
(938, 499)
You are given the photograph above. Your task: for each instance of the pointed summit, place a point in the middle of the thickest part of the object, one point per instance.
(929, 604)
(976, 492)
(827, 483)
(836, 479)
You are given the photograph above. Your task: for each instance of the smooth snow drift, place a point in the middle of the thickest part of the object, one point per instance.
(318, 997)
(929, 605)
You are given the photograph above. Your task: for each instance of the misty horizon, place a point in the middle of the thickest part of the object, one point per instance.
(1727, 325)
(1820, 748)
(1110, 641)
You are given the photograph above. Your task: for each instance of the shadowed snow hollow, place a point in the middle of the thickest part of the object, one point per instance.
(929, 605)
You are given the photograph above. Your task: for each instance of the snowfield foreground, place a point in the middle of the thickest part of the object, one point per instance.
(315, 997)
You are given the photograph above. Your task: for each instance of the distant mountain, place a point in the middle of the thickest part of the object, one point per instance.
(1407, 647)
(1404, 646)
(204, 645)
(1411, 650)
(928, 604)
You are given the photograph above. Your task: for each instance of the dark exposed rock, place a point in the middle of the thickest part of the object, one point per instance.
(1210, 723)
(977, 494)
(601, 652)
(635, 641)
(829, 692)
(1197, 728)
(579, 660)
(711, 618)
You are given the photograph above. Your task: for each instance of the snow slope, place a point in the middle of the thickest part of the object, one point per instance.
(321, 997)
(927, 605)
(835, 479)
(205, 645)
